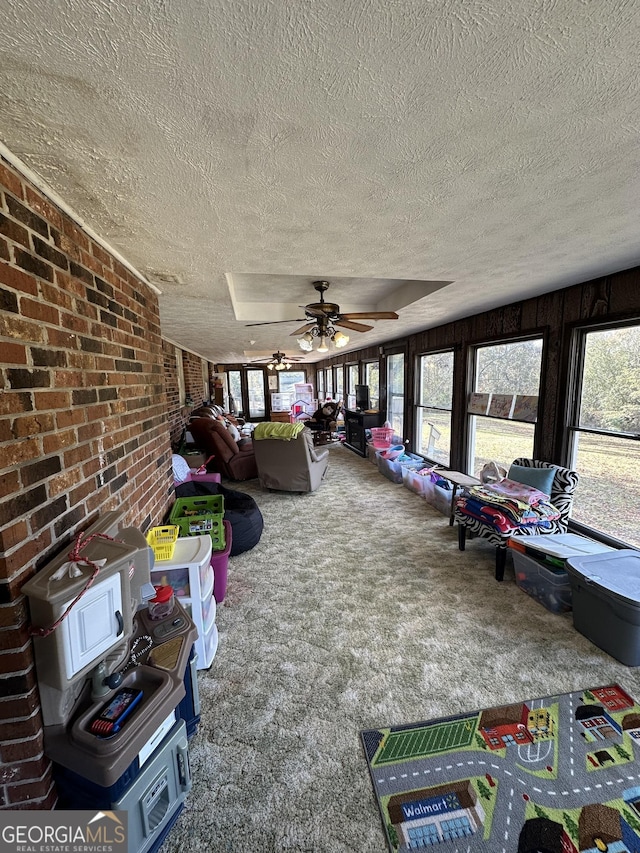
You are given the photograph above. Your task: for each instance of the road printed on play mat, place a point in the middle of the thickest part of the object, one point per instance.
(559, 772)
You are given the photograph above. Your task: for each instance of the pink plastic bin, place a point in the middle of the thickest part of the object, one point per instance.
(194, 477)
(220, 564)
(381, 437)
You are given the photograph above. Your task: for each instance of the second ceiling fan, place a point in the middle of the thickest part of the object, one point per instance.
(278, 361)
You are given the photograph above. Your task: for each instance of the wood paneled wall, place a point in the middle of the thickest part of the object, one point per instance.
(555, 315)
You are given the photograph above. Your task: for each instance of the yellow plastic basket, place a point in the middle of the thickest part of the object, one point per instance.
(163, 541)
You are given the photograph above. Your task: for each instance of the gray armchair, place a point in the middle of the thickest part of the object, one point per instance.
(290, 466)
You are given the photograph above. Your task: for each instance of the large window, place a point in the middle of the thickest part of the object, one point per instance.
(604, 432)
(395, 393)
(372, 379)
(353, 377)
(328, 383)
(286, 395)
(320, 381)
(503, 407)
(433, 411)
(255, 388)
(287, 379)
(339, 383)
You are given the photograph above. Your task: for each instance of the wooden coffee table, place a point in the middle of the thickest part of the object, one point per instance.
(459, 481)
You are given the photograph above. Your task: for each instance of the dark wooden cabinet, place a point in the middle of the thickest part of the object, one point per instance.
(280, 417)
(355, 426)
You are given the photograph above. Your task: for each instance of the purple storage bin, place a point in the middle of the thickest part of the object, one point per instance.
(209, 477)
(220, 564)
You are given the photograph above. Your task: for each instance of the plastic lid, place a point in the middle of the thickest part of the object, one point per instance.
(561, 544)
(163, 594)
(617, 572)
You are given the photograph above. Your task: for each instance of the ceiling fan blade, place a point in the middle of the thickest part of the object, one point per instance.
(314, 312)
(355, 327)
(370, 315)
(303, 329)
(273, 322)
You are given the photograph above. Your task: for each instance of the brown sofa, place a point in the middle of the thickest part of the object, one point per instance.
(290, 466)
(230, 459)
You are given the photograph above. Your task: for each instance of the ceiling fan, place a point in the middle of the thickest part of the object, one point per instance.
(278, 361)
(322, 315)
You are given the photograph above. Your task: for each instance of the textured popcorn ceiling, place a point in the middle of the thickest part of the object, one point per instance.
(233, 152)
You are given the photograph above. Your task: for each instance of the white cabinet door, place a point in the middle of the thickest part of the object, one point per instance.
(93, 626)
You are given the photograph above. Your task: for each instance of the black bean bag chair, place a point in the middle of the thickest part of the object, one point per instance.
(240, 510)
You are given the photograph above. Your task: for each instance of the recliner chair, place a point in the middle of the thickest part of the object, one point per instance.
(232, 460)
(290, 466)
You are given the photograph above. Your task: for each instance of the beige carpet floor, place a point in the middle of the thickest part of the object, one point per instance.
(355, 610)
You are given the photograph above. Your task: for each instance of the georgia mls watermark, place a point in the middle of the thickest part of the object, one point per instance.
(74, 831)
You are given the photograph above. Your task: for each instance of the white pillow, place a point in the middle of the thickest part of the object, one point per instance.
(180, 467)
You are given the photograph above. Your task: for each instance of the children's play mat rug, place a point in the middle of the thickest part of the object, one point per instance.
(561, 773)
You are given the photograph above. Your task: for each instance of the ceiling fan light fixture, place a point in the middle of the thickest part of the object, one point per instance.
(280, 366)
(304, 344)
(340, 340)
(323, 344)
(270, 366)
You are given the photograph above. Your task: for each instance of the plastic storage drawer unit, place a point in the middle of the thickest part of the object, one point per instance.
(188, 570)
(606, 602)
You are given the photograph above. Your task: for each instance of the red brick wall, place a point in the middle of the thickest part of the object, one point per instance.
(175, 406)
(193, 372)
(193, 378)
(83, 429)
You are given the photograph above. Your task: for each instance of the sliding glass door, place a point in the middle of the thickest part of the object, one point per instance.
(255, 388)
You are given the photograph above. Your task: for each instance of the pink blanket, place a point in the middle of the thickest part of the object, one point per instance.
(518, 491)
